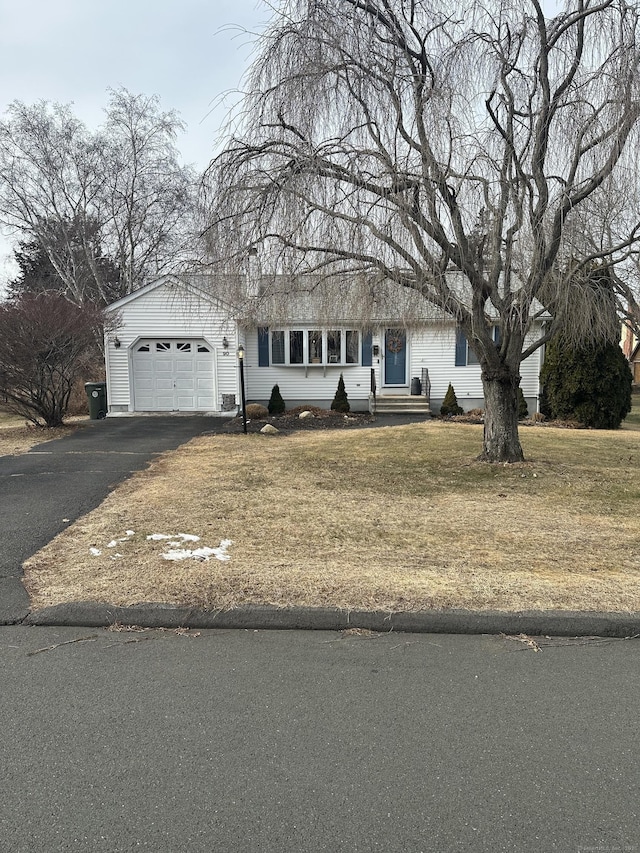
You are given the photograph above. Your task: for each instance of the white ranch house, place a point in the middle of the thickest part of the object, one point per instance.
(174, 350)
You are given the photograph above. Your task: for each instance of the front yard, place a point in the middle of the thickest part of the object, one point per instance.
(394, 518)
(17, 436)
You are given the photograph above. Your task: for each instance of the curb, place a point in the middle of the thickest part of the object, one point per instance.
(559, 623)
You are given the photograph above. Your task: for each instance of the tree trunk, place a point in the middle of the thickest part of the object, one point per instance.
(501, 442)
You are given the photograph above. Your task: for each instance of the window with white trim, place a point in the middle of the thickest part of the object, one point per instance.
(291, 347)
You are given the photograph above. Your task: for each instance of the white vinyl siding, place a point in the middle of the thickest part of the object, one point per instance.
(434, 348)
(303, 383)
(167, 313)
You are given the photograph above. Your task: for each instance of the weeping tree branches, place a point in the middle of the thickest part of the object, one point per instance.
(407, 141)
(119, 191)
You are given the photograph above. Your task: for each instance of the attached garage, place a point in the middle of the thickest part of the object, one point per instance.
(173, 376)
(171, 347)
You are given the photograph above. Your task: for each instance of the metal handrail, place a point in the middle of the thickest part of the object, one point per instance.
(426, 384)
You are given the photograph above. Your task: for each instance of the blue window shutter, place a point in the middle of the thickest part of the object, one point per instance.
(461, 349)
(496, 335)
(263, 347)
(367, 356)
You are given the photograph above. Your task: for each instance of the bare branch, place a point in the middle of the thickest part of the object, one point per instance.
(471, 159)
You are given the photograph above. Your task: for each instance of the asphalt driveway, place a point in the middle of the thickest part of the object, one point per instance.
(43, 491)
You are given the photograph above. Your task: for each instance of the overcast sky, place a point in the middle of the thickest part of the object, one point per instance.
(186, 51)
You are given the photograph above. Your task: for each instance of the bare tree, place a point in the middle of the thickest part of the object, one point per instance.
(46, 342)
(150, 196)
(465, 152)
(51, 184)
(118, 192)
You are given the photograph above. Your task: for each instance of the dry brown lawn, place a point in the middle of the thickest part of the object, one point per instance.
(397, 518)
(17, 436)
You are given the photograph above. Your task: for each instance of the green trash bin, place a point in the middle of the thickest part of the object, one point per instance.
(97, 397)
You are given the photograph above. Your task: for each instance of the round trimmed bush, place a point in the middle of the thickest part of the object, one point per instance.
(257, 412)
(591, 384)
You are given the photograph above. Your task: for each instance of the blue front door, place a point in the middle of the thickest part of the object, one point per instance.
(395, 357)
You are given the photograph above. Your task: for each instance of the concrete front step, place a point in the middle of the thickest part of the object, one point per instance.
(408, 405)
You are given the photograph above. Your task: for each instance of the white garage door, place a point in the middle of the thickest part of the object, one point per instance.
(173, 376)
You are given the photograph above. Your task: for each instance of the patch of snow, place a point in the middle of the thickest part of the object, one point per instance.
(185, 537)
(95, 552)
(219, 553)
(114, 542)
(130, 532)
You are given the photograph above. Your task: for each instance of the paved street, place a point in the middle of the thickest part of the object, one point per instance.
(42, 491)
(244, 742)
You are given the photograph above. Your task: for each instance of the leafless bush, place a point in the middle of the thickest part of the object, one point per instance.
(46, 343)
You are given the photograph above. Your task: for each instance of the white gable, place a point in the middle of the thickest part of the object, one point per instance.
(168, 312)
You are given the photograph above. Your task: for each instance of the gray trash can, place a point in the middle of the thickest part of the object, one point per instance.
(97, 397)
(416, 387)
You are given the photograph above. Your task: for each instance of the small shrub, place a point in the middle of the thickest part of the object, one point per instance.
(450, 405)
(276, 404)
(340, 401)
(257, 412)
(523, 409)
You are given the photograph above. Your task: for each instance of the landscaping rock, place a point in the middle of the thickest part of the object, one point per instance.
(306, 414)
(269, 429)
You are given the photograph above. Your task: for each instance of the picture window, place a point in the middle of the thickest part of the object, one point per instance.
(308, 347)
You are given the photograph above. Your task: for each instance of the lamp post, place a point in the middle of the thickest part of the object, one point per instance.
(240, 355)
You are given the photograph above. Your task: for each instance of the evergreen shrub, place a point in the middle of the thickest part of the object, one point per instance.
(450, 405)
(276, 404)
(340, 401)
(523, 409)
(590, 384)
